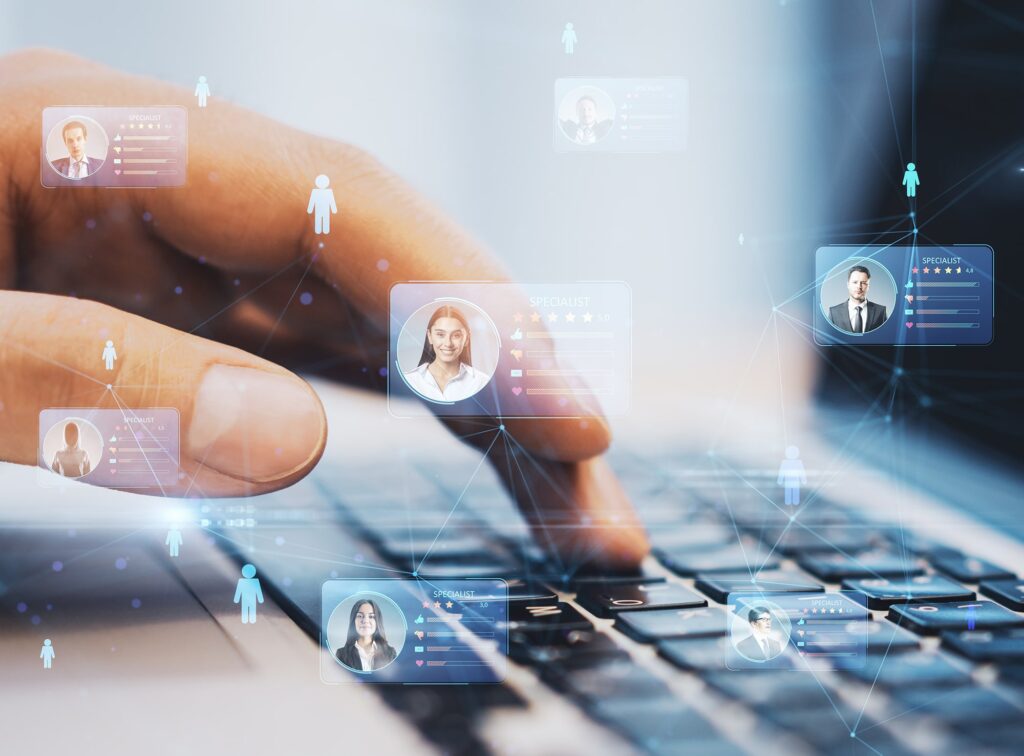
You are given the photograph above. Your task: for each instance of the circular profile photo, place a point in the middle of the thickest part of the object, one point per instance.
(72, 447)
(448, 350)
(858, 296)
(76, 147)
(759, 630)
(366, 632)
(586, 115)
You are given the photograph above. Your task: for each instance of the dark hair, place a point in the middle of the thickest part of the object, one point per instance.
(71, 434)
(753, 614)
(74, 125)
(447, 311)
(378, 635)
(858, 269)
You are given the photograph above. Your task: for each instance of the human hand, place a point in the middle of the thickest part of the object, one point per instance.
(92, 264)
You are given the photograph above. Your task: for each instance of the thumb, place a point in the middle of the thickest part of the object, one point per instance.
(247, 426)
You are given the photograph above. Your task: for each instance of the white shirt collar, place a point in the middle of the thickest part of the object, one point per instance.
(465, 371)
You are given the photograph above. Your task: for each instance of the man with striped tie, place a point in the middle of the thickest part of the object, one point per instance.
(857, 314)
(77, 165)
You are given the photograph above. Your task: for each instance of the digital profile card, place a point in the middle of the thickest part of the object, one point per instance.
(923, 295)
(113, 147)
(801, 632)
(490, 349)
(621, 115)
(414, 631)
(116, 448)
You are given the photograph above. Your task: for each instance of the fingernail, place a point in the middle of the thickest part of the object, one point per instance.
(255, 425)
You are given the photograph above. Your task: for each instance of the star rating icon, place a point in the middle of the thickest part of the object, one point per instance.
(587, 317)
(448, 605)
(949, 270)
(958, 270)
(914, 269)
(570, 317)
(535, 317)
(518, 317)
(437, 604)
(552, 317)
(926, 270)
(426, 604)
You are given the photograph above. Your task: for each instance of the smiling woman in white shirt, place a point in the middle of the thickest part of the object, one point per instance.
(445, 372)
(366, 649)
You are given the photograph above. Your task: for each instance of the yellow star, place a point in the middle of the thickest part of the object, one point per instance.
(926, 270)
(437, 604)
(958, 270)
(587, 317)
(570, 317)
(448, 605)
(535, 318)
(949, 270)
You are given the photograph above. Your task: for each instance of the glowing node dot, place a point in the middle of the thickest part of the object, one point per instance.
(120, 563)
(306, 298)
(90, 224)
(58, 566)
(178, 290)
(136, 603)
(383, 265)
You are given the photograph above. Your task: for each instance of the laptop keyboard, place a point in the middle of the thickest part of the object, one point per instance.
(935, 680)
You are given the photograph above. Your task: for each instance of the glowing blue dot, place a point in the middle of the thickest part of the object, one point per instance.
(202, 259)
(147, 216)
(90, 224)
(58, 566)
(383, 265)
(178, 290)
(383, 372)
(136, 603)
(501, 427)
(334, 573)
(49, 607)
(22, 607)
(36, 619)
(287, 582)
(279, 540)
(237, 282)
(306, 298)
(120, 563)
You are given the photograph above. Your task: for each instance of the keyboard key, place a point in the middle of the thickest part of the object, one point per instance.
(698, 536)
(580, 580)
(881, 593)
(733, 558)
(963, 706)
(567, 649)
(438, 568)
(654, 625)
(665, 727)
(833, 568)
(931, 619)
(885, 637)
(700, 654)
(529, 617)
(766, 688)
(718, 587)
(920, 669)
(1009, 593)
(605, 600)
(412, 546)
(968, 568)
(797, 539)
(618, 678)
(986, 646)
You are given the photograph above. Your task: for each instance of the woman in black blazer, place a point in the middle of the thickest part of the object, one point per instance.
(367, 648)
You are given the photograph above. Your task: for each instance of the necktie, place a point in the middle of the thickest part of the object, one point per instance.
(78, 169)
(858, 325)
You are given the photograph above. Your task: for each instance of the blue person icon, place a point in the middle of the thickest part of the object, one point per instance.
(321, 201)
(792, 475)
(569, 39)
(911, 180)
(248, 593)
(47, 654)
(173, 540)
(202, 91)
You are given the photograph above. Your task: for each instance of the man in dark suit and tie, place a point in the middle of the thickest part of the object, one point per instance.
(857, 314)
(760, 646)
(77, 165)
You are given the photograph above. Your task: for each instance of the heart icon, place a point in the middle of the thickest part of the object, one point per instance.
(909, 324)
(419, 634)
(517, 390)
(419, 662)
(117, 173)
(518, 354)
(910, 297)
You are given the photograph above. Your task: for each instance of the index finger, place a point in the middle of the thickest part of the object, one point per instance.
(249, 181)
